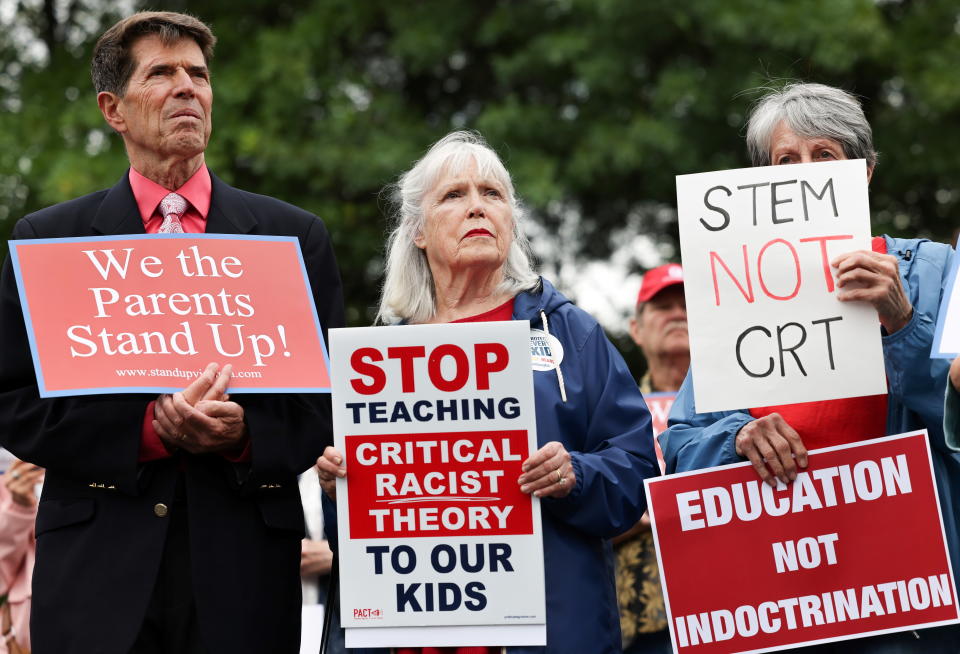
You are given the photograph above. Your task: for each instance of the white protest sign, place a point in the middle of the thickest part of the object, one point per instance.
(946, 340)
(765, 324)
(434, 422)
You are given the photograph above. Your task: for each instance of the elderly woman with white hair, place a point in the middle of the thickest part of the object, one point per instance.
(458, 254)
(903, 280)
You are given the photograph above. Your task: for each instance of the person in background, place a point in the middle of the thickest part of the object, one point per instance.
(18, 512)
(458, 254)
(659, 328)
(903, 280)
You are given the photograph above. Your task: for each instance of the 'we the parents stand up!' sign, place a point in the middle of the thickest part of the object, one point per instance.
(766, 327)
(138, 314)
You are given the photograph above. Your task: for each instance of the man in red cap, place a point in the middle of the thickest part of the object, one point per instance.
(659, 327)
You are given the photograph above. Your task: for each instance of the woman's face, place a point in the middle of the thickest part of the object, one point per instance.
(468, 222)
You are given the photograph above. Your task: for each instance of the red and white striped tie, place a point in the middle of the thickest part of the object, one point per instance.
(172, 207)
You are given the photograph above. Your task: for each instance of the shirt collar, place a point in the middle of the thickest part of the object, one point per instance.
(147, 193)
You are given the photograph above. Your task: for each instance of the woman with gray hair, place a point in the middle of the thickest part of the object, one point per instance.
(903, 280)
(813, 113)
(458, 254)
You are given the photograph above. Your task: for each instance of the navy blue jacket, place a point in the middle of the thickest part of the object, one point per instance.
(605, 425)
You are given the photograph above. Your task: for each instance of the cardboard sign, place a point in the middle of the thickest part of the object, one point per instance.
(146, 313)
(765, 325)
(946, 340)
(434, 422)
(855, 546)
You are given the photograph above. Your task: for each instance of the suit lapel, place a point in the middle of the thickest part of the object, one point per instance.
(118, 213)
(229, 213)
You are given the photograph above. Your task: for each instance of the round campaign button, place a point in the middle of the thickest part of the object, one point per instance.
(546, 352)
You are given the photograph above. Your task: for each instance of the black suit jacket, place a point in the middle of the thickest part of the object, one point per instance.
(99, 536)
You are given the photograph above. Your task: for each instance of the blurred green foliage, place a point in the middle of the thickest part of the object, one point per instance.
(595, 105)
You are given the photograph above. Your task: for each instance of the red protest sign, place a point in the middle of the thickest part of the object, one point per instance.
(145, 313)
(438, 484)
(854, 546)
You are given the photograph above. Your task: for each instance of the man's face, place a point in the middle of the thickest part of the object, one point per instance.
(661, 326)
(167, 105)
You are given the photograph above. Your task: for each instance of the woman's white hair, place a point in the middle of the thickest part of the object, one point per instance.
(812, 111)
(408, 290)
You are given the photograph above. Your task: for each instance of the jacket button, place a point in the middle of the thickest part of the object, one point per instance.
(160, 510)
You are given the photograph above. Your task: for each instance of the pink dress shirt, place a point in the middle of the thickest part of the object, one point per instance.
(196, 190)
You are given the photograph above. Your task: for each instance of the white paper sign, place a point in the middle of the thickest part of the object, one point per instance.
(946, 340)
(765, 325)
(434, 422)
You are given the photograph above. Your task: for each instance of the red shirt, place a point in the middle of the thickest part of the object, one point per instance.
(835, 422)
(503, 312)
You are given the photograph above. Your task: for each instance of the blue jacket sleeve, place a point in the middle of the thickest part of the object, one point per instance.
(917, 382)
(699, 440)
(616, 453)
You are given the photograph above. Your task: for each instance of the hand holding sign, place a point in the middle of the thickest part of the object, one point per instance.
(208, 386)
(545, 472)
(329, 467)
(875, 278)
(200, 418)
(771, 444)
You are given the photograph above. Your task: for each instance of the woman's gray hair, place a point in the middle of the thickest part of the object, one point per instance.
(812, 111)
(408, 291)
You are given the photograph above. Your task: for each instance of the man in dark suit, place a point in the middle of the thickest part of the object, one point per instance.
(167, 524)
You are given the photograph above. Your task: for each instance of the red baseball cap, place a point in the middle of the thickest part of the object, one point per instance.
(659, 278)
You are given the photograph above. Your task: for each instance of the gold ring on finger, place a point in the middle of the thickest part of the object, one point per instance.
(559, 476)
